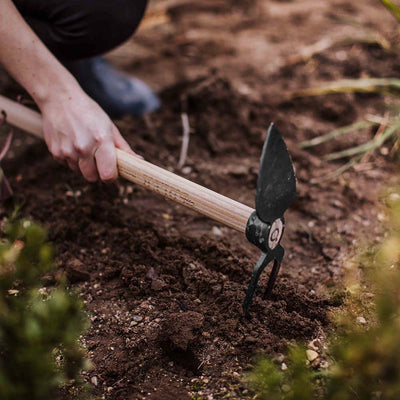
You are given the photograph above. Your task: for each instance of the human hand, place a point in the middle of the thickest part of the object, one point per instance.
(79, 134)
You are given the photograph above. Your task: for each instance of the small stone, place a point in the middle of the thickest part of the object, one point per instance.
(94, 380)
(283, 367)
(324, 364)
(250, 339)
(361, 320)
(280, 358)
(186, 170)
(206, 335)
(137, 318)
(158, 285)
(313, 345)
(216, 231)
(311, 355)
(76, 271)
(152, 274)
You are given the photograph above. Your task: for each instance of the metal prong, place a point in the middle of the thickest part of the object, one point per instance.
(263, 261)
(272, 279)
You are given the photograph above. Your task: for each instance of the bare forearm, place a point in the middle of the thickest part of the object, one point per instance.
(28, 60)
(77, 131)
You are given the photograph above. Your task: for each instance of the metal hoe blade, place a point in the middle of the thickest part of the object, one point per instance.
(276, 189)
(276, 184)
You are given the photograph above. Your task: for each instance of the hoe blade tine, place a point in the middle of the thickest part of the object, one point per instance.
(272, 279)
(262, 262)
(276, 185)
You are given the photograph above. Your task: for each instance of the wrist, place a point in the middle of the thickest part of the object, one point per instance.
(54, 87)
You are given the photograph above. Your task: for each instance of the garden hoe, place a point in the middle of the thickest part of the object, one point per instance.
(263, 227)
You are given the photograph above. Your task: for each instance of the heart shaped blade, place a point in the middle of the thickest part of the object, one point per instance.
(276, 184)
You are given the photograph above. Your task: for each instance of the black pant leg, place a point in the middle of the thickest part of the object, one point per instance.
(75, 29)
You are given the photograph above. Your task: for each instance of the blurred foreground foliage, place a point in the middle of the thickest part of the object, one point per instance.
(362, 356)
(39, 328)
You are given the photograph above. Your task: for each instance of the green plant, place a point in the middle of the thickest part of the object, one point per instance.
(271, 383)
(39, 327)
(363, 358)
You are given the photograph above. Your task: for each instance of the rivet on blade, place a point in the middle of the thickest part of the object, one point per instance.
(276, 233)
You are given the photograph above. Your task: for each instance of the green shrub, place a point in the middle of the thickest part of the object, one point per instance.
(39, 327)
(363, 354)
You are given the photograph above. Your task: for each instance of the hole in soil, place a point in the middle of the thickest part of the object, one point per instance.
(183, 358)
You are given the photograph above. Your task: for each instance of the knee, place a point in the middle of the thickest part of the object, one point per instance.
(100, 25)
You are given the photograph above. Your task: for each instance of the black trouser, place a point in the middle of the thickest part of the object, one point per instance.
(75, 29)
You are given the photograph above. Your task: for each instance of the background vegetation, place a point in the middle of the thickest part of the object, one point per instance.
(39, 327)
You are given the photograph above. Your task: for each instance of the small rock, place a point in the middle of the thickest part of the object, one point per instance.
(152, 274)
(313, 345)
(94, 380)
(361, 320)
(216, 231)
(283, 367)
(324, 364)
(236, 375)
(137, 318)
(250, 339)
(311, 355)
(280, 358)
(76, 271)
(158, 284)
(186, 170)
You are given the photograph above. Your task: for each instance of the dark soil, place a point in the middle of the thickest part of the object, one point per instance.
(164, 285)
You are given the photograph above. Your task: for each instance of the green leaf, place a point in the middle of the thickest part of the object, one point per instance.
(393, 8)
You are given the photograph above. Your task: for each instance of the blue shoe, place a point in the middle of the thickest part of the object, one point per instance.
(116, 93)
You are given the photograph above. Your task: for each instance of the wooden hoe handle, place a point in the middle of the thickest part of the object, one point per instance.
(168, 184)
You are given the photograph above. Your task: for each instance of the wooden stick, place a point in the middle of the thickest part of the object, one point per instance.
(158, 180)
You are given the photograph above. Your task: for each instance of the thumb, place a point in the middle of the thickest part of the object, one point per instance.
(122, 144)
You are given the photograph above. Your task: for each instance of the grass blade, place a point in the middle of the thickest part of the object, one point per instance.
(373, 144)
(357, 126)
(393, 8)
(366, 85)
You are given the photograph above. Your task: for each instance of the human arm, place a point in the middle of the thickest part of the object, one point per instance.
(77, 131)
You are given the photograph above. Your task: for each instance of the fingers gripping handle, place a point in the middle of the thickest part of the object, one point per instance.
(165, 183)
